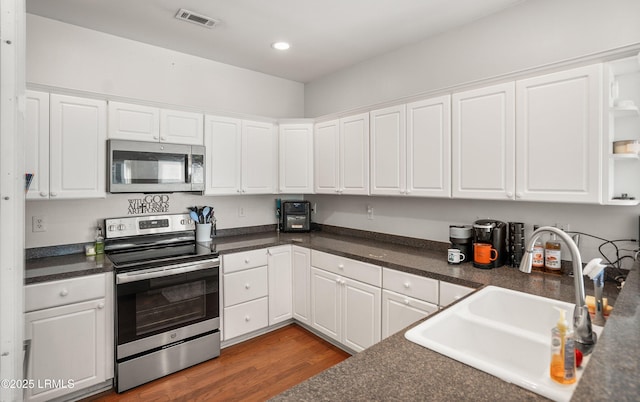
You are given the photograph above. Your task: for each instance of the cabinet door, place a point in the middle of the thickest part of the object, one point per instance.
(37, 144)
(483, 146)
(222, 144)
(280, 284)
(354, 154)
(77, 147)
(326, 159)
(67, 343)
(180, 127)
(559, 136)
(361, 322)
(296, 158)
(429, 148)
(259, 158)
(134, 122)
(301, 260)
(326, 307)
(400, 311)
(388, 151)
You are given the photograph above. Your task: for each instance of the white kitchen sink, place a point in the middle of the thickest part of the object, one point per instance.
(504, 333)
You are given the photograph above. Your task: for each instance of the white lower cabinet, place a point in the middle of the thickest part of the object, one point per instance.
(450, 292)
(399, 311)
(69, 324)
(245, 293)
(346, 300)
(280, 284)
(301, 265)
(406, 298)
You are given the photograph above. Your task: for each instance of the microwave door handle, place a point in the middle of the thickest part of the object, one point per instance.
(189, 167)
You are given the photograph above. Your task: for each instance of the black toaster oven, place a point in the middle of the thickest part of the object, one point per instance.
(296, 216)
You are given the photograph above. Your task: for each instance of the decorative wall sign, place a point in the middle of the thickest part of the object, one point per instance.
(151, 203)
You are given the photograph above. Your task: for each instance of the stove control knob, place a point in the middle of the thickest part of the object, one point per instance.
(121, 227)
(111, 228)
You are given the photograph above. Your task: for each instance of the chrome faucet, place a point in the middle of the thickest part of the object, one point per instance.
(585, 338)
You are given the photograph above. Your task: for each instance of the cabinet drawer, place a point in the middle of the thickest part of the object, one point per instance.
(245, 285)
(450, 292)
(248, 259)
(246, 317)
(415, 286)
(361, 271)
(400, 311)
(58, 293)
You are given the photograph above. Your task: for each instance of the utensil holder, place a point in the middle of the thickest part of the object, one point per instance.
(203, 232)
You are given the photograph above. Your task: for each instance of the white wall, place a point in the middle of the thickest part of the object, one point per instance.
(75, 221)
(426, 218)
(532, 34)
(67, 56)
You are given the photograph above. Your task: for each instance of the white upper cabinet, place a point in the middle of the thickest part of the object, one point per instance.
(429, 147)
(326, 148)
(223, 148)
(388, 151)
(259, 158)
(354, 154)
(77, 145)
(558, 136)
(296, 158)
(37, 143)
(179, 127)
(483, 149)
(341, 153)
(145, 123)
(410, 149)
(241, 156)
(134, 122)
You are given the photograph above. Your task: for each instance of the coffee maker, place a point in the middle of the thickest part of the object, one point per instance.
(493, 233)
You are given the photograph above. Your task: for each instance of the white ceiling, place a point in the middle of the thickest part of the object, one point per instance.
(325, 35)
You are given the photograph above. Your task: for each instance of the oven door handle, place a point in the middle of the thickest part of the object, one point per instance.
(135, 276)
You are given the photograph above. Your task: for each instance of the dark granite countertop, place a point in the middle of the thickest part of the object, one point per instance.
(53, 268)
(396, 369)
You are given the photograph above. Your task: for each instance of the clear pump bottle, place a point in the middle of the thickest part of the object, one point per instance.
(563, 359)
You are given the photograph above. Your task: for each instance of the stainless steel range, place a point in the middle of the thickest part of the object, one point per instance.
(167, 297)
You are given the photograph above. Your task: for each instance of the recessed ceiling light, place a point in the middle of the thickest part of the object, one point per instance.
(280, 45)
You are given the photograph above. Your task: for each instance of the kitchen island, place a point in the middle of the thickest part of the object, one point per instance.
(397, 369)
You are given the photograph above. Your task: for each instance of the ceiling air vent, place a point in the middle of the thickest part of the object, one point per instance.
(199, 19)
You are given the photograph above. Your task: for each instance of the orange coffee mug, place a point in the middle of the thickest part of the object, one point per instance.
(483, 253)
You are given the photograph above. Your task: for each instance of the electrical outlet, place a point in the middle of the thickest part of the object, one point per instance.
(563, 226)
(38, 223)
(315, 208)
(369, 212)
(241, 212)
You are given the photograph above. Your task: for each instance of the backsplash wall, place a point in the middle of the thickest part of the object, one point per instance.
(426, 218)
(75, 221)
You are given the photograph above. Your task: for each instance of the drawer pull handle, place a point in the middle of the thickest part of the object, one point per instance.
(406, 301)
(246, 260)
(247, 318)
(341, 266)
(407, 285)
(100, 306)
(247, 286)
(64, 292)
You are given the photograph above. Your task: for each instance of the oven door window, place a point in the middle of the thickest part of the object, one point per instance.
(148, 168)
(153, 306)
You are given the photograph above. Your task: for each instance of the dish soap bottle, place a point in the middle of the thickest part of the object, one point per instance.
(563, 359)
(553, 256)
(99, 241)
(538, 254)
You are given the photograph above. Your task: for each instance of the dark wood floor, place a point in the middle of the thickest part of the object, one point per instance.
(254, 370)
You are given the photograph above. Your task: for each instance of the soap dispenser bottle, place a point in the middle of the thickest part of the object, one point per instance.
(99, 241)
(563, 359)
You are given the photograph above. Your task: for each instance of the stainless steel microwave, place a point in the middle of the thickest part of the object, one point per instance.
(153, 167)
